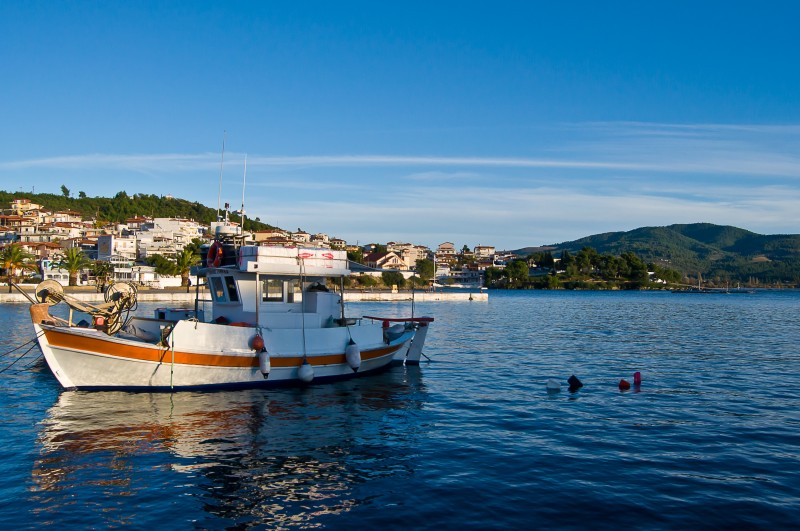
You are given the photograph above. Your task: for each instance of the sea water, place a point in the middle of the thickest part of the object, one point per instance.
(471, 439)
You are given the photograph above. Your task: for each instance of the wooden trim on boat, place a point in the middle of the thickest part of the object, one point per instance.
(101, 345)
(401, 319)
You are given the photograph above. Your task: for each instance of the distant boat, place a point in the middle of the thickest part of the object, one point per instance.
(693, 290)
(705, 291)
(455, 285)
(738, 290)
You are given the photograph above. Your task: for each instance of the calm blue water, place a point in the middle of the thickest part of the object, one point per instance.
(470, 440)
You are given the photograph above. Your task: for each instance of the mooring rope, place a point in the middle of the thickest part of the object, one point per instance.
(30, 365)
(36, 338)
(4, 369)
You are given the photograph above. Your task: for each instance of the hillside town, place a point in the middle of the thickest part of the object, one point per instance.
(130, 248)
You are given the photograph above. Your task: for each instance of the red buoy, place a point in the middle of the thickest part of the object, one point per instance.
(624, 385)
(637, 378)
(257, 343)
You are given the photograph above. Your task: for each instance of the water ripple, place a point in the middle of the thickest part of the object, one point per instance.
(470, 440)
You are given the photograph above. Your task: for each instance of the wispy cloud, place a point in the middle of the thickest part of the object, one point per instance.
(132, 162)
(618, 146)
(536, 216)
(440, 176)
(606, 177)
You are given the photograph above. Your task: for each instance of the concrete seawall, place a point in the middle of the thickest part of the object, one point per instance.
(182, 297)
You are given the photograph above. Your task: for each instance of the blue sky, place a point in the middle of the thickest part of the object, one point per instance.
(508, 123)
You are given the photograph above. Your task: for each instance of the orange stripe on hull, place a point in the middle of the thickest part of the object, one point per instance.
(101, 345)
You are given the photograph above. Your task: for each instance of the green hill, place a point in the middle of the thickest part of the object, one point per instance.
(122, 206)
(718, 253)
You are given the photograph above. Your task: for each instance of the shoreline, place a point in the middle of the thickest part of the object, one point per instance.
(175, 296)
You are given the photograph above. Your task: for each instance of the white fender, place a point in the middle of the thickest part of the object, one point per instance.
(305, 372)
(263, 363)
(353, 355)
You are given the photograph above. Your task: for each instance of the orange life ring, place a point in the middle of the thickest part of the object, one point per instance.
(215, 254)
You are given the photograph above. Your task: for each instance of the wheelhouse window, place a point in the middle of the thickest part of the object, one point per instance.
(230, 284)
(271, 290)
(217, 291)
(293, 291)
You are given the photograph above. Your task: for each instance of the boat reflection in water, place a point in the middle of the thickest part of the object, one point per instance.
(251, 457)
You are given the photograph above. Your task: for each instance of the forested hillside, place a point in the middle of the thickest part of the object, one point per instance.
(122, 206)
(718, 253)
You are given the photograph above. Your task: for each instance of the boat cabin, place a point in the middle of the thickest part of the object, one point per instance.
(278, 287)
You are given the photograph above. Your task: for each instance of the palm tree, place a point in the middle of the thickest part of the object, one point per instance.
(103, 271)
(13, 258)
(184, 261)
(72, 261)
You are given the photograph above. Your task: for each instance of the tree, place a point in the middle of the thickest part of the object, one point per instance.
(393, 278)
(668, 275)
(194, 245)
(636, 267)
(492, 275)
(64, 191)
(14, 257)
(356, 256)
(425, 269)
(417, 282)
(544, 260)
(553, 282)
(183, 264)
(586, 259)
(368, 281)
(72, 261)
(566, 260)
(103, 271)
(517, 271)
(610, 267)
(164, 266)
(81, 195)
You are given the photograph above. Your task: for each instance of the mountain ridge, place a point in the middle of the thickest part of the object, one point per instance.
(721, 252)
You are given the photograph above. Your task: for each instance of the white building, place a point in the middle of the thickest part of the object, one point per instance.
(484, 251)
(109, 246)
(408, 252)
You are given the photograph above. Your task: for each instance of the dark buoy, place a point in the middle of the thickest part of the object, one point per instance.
(574, 383)
(637, 378)
(624, 385)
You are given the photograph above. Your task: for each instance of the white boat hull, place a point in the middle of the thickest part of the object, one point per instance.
(87, 359)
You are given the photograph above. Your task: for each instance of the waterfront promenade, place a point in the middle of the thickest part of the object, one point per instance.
(174, 295)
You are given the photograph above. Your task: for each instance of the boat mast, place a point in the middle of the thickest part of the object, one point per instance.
(244, 180)
(221, 165)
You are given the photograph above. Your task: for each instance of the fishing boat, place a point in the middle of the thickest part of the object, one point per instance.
(272, 321)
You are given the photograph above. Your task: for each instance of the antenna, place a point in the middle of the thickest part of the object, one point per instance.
(244, 179)
(221, 164)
